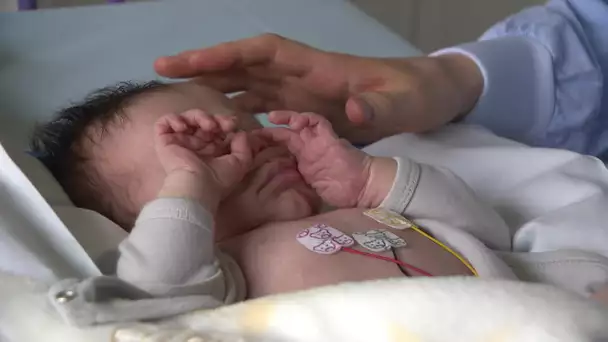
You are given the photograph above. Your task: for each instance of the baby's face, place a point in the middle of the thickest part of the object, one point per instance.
(272, 191)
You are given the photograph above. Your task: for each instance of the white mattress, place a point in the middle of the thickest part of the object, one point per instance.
(51, 57)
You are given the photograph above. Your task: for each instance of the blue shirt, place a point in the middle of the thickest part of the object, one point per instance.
(546, 76)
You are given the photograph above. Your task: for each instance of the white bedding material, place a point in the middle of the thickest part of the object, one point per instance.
(419, 309)
(33, 240)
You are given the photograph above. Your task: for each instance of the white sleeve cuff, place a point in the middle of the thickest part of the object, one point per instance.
(180, 209)
(404, 186)
(518, 96)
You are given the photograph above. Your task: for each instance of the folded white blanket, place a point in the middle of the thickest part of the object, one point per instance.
(447, 309)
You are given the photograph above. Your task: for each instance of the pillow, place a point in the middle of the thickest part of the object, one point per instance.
(41, 178)
(95, 233)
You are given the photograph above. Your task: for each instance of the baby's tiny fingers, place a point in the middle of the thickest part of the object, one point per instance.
(241, 149)
(258, 142)
(322, 125)
(227, 123)
(198, 118)
(162, 126)
(281, 117)
(299, 122)
(213, 150)
(168, 124)
(177, 123)
(234, 166)
(283, 136)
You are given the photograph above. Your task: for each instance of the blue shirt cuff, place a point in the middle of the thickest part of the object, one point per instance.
(517, 101)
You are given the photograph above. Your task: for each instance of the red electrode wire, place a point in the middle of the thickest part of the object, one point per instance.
(380, 257)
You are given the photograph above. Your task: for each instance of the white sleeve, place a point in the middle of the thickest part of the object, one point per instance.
(544, 83)
(432, 194)
(170, 251)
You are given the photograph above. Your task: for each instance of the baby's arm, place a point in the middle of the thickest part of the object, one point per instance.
(347, 177)
(437, 196)
(168, 264)
(170, 251)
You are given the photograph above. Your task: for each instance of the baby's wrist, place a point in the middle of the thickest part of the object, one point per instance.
(193, 186)
(382, 174)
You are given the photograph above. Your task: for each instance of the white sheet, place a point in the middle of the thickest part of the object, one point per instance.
(33, 241)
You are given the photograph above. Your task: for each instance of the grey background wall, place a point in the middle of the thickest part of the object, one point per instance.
(432, 24)
(428, 24)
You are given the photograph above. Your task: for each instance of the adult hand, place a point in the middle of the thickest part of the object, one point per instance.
(365, 99)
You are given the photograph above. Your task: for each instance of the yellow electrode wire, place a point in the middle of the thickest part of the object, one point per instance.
(462, 260)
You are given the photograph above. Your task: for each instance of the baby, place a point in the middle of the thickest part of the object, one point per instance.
(216, 203)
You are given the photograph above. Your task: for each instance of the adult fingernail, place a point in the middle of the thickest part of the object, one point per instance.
(366, 110)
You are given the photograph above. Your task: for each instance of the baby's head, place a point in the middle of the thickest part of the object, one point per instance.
(102, 152)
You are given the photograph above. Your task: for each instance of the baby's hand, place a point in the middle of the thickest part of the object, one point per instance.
(337, 171)
(202, 156)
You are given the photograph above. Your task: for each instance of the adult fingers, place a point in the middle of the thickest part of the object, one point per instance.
(380, 108)
(358, 111)
(259, 78)
(254, 102)
(225, 56)
(229, 81)
(173, 64)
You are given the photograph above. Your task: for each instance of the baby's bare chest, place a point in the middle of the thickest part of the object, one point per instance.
(273, 260)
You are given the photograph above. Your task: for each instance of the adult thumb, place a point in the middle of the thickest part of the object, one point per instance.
(365, 108)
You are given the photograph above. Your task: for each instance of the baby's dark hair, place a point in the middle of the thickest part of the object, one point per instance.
(61, 145)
